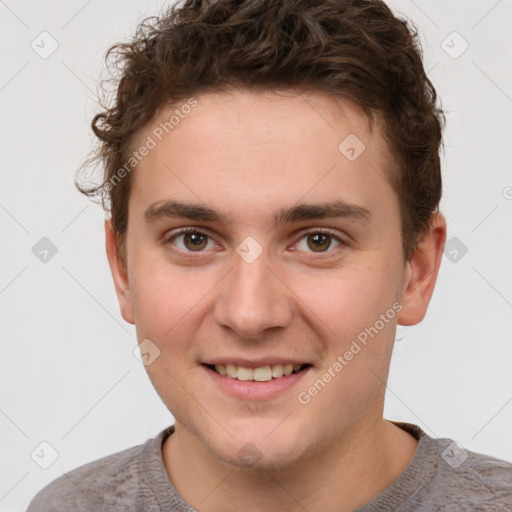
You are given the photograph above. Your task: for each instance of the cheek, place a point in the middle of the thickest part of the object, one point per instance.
(350, 299)
(163, 298)
(358, 343)
(167, 306)
(171, 305)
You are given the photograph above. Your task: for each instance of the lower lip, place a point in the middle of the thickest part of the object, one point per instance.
(254, 390)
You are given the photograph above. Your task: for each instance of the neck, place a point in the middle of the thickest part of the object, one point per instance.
(342, 477)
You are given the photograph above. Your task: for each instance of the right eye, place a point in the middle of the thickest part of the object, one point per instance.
(192, 241)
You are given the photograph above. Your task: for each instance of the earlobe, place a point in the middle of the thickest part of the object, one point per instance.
(421, 273)
(119, 273)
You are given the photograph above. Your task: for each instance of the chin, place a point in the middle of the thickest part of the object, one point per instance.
(258, 457)
(254, 449)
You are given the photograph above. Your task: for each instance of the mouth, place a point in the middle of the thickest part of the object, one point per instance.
(259, 374)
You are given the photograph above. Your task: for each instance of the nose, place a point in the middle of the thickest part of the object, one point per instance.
(253, 299)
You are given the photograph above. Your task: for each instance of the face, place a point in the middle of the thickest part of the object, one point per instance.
(256, 242)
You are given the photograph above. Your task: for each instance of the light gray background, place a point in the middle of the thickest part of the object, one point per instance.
(68, 373)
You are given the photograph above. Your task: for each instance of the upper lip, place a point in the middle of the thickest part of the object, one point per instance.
(253, 363)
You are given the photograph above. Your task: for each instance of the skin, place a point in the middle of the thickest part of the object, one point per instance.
(248, 155)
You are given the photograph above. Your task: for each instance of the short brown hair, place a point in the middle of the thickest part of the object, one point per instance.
(353, 49)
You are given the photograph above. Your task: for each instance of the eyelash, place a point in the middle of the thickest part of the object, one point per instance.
(300, 236)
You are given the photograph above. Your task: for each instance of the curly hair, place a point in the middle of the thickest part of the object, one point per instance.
(353, 49)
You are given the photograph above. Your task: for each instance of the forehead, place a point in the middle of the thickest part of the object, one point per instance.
(261, 149)
(279, 119)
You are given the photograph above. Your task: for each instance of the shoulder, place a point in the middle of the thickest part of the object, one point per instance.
(115, 482)
(478, 481)
(455, 478)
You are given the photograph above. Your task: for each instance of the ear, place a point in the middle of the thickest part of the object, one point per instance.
(421, 273)
(119, 273)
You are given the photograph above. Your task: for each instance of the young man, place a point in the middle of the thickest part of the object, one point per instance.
(272, 176)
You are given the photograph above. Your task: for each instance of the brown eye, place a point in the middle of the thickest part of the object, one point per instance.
(192, 241)
(319, 242)
(195, 241)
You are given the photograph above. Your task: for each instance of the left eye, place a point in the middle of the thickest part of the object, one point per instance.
(317, 242)
(193, 241)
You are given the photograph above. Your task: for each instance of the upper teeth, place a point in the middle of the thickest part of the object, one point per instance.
(263, 373)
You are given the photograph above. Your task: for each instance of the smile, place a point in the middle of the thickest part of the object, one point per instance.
(260, 374)
(259, 380)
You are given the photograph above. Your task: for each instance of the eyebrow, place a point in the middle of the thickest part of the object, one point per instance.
(176, 209)
(300, 212)
(324, 210)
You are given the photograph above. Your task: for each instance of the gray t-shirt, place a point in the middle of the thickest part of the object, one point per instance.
(441, 477)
